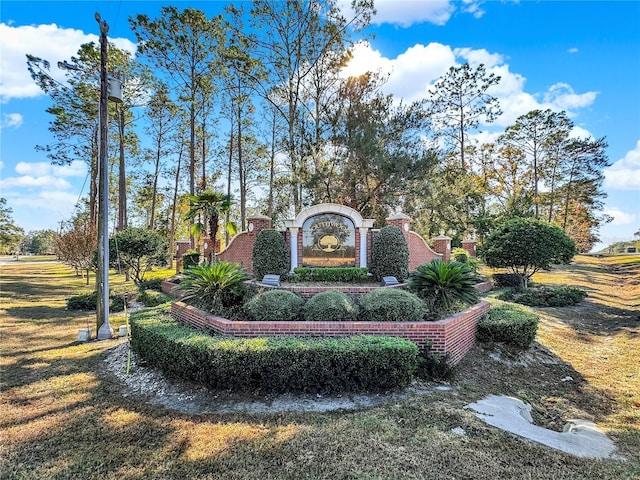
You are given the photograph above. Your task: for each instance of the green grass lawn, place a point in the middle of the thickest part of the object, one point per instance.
(64, 418)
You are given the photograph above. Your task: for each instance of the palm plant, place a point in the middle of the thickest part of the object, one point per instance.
(444, 283)
(205, 210)
(213, 284)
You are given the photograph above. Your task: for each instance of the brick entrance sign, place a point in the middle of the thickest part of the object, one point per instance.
(331, 233)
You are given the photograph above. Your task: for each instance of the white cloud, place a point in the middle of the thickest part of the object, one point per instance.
(33, 168)
(620, 217)
(573, 50)
(562, 96)
(416, 69)
(407, 12)
(50, 42)
(476, 57)
(625, 173)
(54, 201)
(365, 59)
(12, 120)
(473, 7)
(41, 169)
(28, 181)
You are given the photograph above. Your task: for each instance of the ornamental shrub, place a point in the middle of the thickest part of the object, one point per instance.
(511, 280)
(391, 305)
(89, 301)
(434, 365)
(330, 306)
(544, 296)
(137, 251)
(152, 298)
(510, 324)
(389, 254)
(275, 364)
(526, 245)
(330, 274)
(275, 305)
(270, 255)
(211, 284)
(442, 284)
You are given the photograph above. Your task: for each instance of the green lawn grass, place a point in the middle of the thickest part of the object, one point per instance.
(64, 418)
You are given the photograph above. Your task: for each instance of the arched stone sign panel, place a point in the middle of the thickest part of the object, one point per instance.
(332, 215)
(328, 240)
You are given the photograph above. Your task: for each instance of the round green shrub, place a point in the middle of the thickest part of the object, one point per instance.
(330, 306)
(152, 298)
(510, 324)
(89, 301)
(389, 254)
(190, 260)
(391, 305)
(270, 254)
(544, 296)
(275, 305)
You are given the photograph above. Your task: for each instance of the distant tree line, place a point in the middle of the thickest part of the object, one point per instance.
(253, 104)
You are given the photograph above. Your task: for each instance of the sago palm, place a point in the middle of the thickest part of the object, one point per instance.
(444, 283)
(210, 284)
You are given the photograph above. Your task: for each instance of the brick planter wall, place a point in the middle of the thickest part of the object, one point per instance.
(455, 335)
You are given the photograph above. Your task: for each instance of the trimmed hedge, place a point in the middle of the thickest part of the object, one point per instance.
(152, 298)
(330, 306)
(270, 254)
(510, 324)
(330, 274)
(89, 301)
(389, 254)
(276, 364)
(546, 296)
(511, 280)
(391, 305)
(275, 305)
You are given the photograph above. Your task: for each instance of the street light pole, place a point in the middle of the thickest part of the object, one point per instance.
(105, 331)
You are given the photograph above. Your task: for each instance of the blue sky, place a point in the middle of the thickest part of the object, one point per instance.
(579, 56)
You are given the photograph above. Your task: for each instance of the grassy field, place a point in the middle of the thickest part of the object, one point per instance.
(63, 417)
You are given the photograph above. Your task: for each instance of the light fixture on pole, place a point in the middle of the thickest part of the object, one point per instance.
(110, 89)
(105, 331)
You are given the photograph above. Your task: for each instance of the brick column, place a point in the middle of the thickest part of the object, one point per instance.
(256, 223)
(442, 245)
(402, 221)
(470, 247)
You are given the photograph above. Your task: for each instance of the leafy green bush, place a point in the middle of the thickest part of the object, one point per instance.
(526, 245)
(152, 298)
(511, 280)
(330, 306)
(389, 254)
(510, 324)
(138, 250)
(330, 274)
(89, 301)
(391, 305)
(433, 365)
(460, 255)
(275, 305)
(270, 255)
(153, 284)
(190, 259)
(442, 284)
(546, 296)
(276, 364)
(208, 285)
